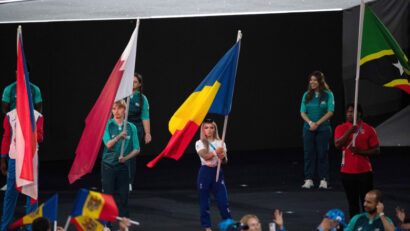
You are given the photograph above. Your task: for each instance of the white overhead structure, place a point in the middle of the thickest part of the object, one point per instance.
(85, 10)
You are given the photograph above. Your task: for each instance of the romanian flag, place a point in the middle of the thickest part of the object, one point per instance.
(382, 60)
(213, 95)
(84, 223)
(95, 205)
(48, 209)
(26, 140)
(118, 86)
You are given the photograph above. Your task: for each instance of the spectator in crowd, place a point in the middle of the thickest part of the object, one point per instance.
(333, 220)
(373, 218)
(404, 224)
(252, 221)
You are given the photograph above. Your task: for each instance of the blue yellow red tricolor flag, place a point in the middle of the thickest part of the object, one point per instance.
(84, 223)
(381, 59)
(26, 140)
(48, 209)
(213, 95)
(95, 205)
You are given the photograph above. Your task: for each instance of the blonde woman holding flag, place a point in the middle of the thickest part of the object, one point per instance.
(210, 149)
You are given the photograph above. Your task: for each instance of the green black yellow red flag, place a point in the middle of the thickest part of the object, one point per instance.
(382, 60)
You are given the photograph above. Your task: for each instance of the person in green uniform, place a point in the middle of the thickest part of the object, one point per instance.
(316, 109)
(138, 115)
(114, 167)
(9, 98)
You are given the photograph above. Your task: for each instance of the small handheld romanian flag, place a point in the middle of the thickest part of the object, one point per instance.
(382, 61)
(95, 205)
(213, 95)
(48, 210)
(84, 223)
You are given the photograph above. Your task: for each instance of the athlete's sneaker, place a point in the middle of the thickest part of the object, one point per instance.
(323, 184)
(308, 184)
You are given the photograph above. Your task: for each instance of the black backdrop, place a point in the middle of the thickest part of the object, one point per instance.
(70, 62)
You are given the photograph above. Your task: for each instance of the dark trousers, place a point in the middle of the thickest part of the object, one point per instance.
(206, 185)
(115, 180)
(356, 186)
(133, 161)
(316, 146)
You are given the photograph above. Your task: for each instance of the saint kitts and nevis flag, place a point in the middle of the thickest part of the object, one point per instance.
(213, 95)
(48, 210)
(382, 60)
(26, 135)
(118, 86)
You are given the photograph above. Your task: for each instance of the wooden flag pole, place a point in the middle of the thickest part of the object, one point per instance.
(359, 49)
(239, 37)
(128, 107)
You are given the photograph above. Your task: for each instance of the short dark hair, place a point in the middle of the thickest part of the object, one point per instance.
(378, 193)
(41, 224)
(359, 108)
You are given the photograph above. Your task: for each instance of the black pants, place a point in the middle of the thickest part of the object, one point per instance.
(356, 186)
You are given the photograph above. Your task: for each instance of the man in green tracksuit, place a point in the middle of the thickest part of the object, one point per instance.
(114, 167)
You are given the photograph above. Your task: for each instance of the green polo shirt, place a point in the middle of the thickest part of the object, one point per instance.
(135, 107)
(362, 222)
(316, 110)
(112, 130)
(10, 92)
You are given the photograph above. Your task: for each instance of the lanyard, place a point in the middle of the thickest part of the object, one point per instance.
(212, 146)
(354, 137)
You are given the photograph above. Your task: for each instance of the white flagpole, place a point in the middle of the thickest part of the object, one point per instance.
(131, 221)
(359, 49)
(125, 126)
(239, 37)
(128, 105)
(67, 223)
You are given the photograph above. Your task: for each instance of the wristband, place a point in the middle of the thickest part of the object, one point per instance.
(381, 214)
(310, 122)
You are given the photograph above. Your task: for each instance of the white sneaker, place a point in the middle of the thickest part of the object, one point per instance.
(323, 184)
(308, 184)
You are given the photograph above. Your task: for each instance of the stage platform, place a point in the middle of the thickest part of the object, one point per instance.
(165, 197)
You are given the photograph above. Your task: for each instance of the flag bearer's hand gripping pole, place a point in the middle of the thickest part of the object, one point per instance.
(222, 145)
(125, 127)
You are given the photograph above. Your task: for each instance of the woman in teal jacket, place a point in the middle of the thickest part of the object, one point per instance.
(317, 107)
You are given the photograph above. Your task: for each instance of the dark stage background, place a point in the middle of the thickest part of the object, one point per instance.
(71, 61)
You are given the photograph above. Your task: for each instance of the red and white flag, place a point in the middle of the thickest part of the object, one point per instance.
(118, 86)
(26, 136)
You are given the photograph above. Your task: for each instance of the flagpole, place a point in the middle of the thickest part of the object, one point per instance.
(67, 223)
(131, 221)
(359, 49)
(125, 126)
(239, 37)
(128, 105)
